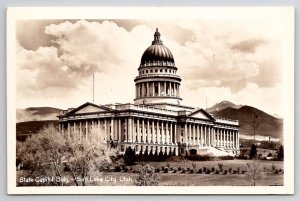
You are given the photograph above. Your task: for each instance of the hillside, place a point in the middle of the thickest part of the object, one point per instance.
(24, 129)
(266, 125)
(222, 105)
(37, 114)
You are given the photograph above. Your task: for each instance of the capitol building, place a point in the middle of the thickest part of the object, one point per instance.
(157, 121)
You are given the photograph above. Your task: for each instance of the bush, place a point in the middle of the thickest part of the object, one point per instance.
(199, 158)
(217, 172)
(183, 170)
(273, 167)
(204, 169)
(174, 170)
(147, 177)
(191, 170)
(166, 170)
(200, 171)
(129, 157)
(229, 170)
(157, 170)
(276, 171)
(234, 172)
(243, 171)
(117, 169)
(238, 170)
(194, 165)
(220, 165)
(280, 155)
(179, 168)
(253, 152)
(225, 172)
(213, 169)
(207, 171)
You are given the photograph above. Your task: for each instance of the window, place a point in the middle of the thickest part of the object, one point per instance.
(146, 71)
(166, 70)
(150, 71)
(156, 70)
(170, 71)
(161, 70)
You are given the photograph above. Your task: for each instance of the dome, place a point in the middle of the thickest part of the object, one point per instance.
(157, 51)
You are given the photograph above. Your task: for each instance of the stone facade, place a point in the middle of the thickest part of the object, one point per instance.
(156, 121)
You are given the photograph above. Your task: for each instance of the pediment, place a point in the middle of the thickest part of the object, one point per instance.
(201, 114)
(89, 109)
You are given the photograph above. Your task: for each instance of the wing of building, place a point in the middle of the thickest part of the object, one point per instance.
(156, 122)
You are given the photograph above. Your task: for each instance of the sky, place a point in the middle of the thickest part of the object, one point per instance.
(234, 60)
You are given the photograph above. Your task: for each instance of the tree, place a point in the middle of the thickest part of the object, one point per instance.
(280, 155)
(253, 151)
(147, 176)
(129, 157)
(49, 154)
(253, 171)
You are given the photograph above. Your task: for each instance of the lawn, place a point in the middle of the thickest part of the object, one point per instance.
(266, 176)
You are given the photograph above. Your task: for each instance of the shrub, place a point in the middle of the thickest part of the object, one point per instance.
(276, 171)
(234, 172)
(243, 171)
(225, 172)
(179, 168)
(157, 170)
(204, 169)
(191, 170)
(238, 170)
(174, 170)
(117, 169)
(217, 172)
(129, 157)
(207, 171)
(194, 165)
(220, 165)
(125, 169)
(273, 167)
(188, 169)
(166, 170)
(200, 171)
(280, 155)
(147, 177)
(229, 170)
(253, 151)
(162, 168)
(183, 170)
(213, 169)
(168, 165)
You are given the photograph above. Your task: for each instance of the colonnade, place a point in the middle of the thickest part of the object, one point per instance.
(152, 131)
(157, 88)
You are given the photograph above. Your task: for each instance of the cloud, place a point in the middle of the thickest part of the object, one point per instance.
(248, 46)
(220, 59)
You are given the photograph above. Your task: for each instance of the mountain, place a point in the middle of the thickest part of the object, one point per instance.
(265, 124)
(222, 105)
(37, 114)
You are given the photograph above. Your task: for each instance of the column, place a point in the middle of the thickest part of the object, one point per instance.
(214, 136)
(148, 131)
(170, 89)
(205, 142)
(209, 136)
(175, 134)
(80, 131)
(185, 132)
(152, 133)
(201, 135)
(157, 131)
(112, 129)
(148, 89)
(194, 134)
(74, 129)
(162, 133)
(153, 88)
(69, 130)
(167, 133)
(143, 130)
(120, 131)
(171, 133)
(165, 88)
(130, 129)
(138, 130)
(190, 133)
(198, 131)
(158, 84)
(86, 128)
(237, 140)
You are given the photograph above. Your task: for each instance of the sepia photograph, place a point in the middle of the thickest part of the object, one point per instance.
(150, 100)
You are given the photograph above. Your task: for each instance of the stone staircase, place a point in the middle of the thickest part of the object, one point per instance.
(214, 151)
